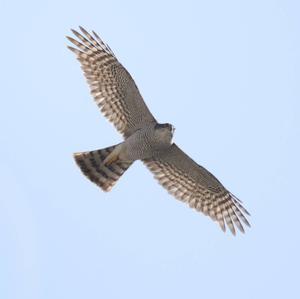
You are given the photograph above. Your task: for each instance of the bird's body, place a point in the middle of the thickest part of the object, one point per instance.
(145, 139)
(145, 142)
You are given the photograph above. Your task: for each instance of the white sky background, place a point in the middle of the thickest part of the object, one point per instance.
(226, 74)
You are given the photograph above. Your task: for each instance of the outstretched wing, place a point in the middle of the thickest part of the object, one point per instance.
(193, 184)
(111, 85)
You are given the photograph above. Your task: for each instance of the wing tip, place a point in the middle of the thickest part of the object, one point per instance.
(83, 30)
(76, 51)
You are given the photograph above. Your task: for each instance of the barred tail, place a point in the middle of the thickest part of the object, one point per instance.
(91, 165)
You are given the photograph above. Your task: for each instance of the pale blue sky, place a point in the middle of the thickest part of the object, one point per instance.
(226, 74)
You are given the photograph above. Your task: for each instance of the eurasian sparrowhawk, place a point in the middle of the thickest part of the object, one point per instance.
(119, 99)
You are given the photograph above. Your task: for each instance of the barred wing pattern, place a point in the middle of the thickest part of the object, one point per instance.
(112, 87)
(193, 184)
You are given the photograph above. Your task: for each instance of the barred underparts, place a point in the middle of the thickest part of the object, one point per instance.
(119, 99)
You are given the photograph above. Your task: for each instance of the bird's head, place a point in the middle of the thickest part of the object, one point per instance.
(164, 132)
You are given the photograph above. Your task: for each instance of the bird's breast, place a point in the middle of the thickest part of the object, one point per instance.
(141, 145)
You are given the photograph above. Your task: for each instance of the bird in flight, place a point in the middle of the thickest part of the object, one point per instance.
(119, 99)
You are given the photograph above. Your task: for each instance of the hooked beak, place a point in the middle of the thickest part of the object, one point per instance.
(173, 129)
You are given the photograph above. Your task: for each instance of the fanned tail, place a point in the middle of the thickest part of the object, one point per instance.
(92, 166)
